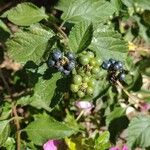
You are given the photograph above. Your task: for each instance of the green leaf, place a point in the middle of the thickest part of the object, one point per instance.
(102, 141)
(139, 132)
(9, 144)
(44, 91)
(4, 131)
(109, 44)
(29, 45)
(4, 31)
(80, 36)
(92, 10)
(25, 14)
(116, 113)
(117, 5)
(145, 4)
(45, 128)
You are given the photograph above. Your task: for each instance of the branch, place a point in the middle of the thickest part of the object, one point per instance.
(14, 111)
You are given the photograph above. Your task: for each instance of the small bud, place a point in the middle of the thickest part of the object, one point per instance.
(84, 106)
(130, 112)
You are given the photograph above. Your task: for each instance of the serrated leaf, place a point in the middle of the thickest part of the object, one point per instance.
(29, 45)
(4, 131)
(109, 44)
(102, 141)
(139, 132)
(25, 14)
(92, 10)
(80, 36)
(145, 4)
(116, 113)
(45, 128)
(44, 91)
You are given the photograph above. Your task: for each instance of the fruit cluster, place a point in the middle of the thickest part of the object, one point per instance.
(62, 62)
(115, 70)
(84, 77)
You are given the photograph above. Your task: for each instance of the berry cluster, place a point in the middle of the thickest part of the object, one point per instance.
(115, 70)
(62, 62)
(84, 78)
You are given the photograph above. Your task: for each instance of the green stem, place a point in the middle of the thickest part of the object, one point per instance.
(133, 98)
(80, 115)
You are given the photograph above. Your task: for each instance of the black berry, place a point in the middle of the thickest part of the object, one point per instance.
(57, 54)
(106, 65)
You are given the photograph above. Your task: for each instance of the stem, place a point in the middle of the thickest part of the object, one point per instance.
(62, 24)
(80, 115)
(17, 124)
(14, 111)
(134, 99)
(5, 82)
(61, 31)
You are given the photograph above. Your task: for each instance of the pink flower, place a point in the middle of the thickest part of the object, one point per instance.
(144, 106)
(117, 148)
(51, 145)
(85, 106)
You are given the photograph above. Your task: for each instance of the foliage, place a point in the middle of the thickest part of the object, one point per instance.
(54, 55)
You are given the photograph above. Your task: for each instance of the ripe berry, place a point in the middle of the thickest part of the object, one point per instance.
(57, 54)
(66, 72)
(70, 65)
(77, 79)
(106, 65)
(121, 76)
(51, 63)
(70, 56)
(120, 64)
(61, 68)
(116, 67)
(74, 88)
(80, 94)
(112, 61)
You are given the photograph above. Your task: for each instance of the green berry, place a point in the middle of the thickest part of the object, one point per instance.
(85, 79)
(88, 73)
(93, 62)
(74, 88)
(83, 60)
(95, 70)
(90, 54)
(92, 83)
(77, 79)
(89, 90)
(99, 61)
(80, 94)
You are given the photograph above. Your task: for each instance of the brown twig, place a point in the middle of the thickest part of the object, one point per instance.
(6, 6)
(134, 99)
(14, 111)
(61, 31)
(17, 124)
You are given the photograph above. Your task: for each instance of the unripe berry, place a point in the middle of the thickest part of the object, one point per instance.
(77, 79)
(80, 94)
(93, 62)
(95, 70)
(74, 88)
(83, 60)
(89, 90)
